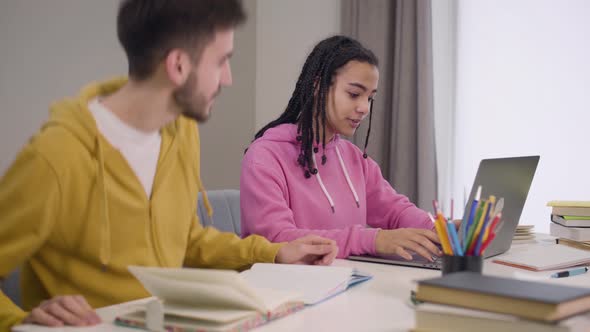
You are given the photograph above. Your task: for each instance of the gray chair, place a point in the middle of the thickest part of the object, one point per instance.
(11, 287)
(226, 210)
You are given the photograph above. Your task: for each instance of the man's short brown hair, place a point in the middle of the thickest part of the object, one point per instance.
(149, 29)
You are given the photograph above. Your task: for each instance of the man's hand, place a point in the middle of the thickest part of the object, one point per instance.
(396, 241)
(310, 249)
(63, 310)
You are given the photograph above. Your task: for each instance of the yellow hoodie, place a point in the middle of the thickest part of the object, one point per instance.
(74, 215)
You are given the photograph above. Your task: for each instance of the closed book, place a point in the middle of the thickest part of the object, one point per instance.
(578, 204)
(439, 318)
(572, 233)
(574, 244)
(525, 299)
(571, 221)
(570, 208)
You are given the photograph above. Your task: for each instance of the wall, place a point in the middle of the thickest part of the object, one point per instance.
(231, 126)
(523, 78)
(286, 33)
(46, 55)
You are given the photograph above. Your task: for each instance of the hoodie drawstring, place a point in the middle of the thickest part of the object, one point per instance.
(205, 200)
(345, 171)
(201, 189)
(105, 238)
(350, 186)
(319, 178)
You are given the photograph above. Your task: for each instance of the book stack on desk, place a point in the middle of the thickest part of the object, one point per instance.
(570, 222)
(468, 301)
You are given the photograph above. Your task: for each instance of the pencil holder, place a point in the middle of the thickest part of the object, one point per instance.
(452, 264)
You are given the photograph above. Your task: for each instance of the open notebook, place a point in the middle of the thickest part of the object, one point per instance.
(314, 283)
(222, 300)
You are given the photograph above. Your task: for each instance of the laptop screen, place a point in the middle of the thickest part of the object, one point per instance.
(511, 179)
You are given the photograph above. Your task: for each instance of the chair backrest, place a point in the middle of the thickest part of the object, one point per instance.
(226, 210)
(11, 286)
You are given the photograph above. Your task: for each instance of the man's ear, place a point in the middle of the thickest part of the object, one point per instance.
(178, 66)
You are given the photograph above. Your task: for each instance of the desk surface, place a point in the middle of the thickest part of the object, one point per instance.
(381, 304)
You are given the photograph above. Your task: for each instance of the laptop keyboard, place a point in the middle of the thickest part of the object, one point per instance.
(436, 263)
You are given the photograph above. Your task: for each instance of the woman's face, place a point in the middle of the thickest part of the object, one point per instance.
(349, 97)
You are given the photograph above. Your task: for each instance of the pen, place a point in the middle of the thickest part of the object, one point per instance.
(487, 243)
(569, 273)
(466, 224)
(445, 245)
(443, 225)
(473, 226)
(452, 208)
(454, 238)
(484, 225)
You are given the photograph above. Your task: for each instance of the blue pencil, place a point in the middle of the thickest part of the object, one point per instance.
(471, 215)
(454, 238)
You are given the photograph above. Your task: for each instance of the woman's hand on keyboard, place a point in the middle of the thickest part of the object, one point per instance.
(399, 241)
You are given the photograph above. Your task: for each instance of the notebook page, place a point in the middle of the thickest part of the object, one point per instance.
(199, 287)
(316, 283)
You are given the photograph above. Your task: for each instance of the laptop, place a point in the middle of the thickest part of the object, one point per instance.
(509, 178)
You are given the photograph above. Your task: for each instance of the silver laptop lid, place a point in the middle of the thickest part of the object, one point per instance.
(510, 178)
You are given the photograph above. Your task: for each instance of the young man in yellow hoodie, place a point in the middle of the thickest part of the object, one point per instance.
(112, 178)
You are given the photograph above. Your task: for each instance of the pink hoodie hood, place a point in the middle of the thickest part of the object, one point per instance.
(348, 200)
(288, 134)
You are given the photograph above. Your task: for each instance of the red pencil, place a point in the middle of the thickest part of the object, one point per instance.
(494, 223)
(487, 243)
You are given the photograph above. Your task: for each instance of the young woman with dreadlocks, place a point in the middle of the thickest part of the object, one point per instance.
(299, 177)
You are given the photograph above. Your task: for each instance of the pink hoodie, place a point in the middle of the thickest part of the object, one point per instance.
(278, 202)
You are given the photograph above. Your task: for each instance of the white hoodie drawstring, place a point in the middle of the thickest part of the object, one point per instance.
(356, 197)
(319, 178)
(326, 193)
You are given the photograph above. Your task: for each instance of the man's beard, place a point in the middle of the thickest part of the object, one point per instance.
(192, 104)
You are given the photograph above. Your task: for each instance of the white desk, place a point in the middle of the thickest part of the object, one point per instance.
(381, 304)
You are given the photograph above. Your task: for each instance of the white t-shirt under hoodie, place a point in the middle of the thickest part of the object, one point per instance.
(140, 149)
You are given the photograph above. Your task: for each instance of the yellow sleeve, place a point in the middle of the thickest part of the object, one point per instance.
(211, 248)
(208, 247)
(10, 314)
(29, 200)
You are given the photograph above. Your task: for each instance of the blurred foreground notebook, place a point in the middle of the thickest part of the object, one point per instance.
(527, 299)
(223, 300)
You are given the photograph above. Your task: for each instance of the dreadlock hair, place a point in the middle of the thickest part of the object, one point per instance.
(308, 102)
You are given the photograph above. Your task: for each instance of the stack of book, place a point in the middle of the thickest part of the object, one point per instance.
(468, 301)
(570, 223)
